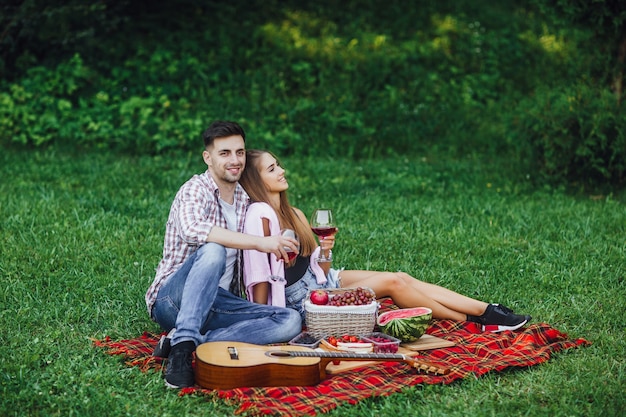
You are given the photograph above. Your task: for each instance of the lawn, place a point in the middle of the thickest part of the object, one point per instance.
(81, 235)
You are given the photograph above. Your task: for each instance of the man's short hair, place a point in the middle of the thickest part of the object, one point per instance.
(222, 129)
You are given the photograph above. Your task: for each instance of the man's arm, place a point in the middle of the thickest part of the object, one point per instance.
(268, 244)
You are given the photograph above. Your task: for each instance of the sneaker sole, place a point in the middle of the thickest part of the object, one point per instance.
(496, 328)
(172, 386)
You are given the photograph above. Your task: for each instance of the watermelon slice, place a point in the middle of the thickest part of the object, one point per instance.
(406, 324)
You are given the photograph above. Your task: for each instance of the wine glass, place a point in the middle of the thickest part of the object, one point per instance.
(290, 253)
(323, 225)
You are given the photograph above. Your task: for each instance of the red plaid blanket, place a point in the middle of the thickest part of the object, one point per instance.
(475, 353)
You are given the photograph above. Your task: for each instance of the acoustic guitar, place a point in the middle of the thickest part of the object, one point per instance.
(227, 365)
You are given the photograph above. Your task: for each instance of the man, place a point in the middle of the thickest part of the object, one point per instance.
(190, 295)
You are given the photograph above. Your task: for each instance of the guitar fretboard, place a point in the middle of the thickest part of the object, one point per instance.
(346, 355)
(422, 366)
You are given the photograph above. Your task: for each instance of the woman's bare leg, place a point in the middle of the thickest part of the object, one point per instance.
(408, 292)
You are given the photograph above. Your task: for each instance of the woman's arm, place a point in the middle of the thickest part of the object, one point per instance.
(260, 292)
(264, 275)
(325, 244)
(256, 265)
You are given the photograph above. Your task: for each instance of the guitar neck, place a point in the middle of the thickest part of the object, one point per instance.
(330, 356)
(349, 355)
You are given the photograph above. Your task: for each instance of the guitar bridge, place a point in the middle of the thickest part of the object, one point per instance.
(232, 351)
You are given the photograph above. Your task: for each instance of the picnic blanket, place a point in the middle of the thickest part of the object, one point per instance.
(475, 353)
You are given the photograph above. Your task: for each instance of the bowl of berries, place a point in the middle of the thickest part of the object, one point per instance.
(305, 339)
(382, 343)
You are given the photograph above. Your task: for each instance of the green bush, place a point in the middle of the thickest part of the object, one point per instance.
(41, 107)
(304, 79)
(370, 96)
(573, 134)
(71, 105)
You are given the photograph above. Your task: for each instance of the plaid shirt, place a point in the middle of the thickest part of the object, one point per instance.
(194, 212)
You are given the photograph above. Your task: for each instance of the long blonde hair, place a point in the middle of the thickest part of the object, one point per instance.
(252, 182)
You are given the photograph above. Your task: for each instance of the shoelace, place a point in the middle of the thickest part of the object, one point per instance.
(180, 360)
(505, 309)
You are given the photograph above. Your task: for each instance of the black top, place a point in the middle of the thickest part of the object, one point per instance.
(297, 270)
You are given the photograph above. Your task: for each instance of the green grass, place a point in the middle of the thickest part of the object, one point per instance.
(81, 235)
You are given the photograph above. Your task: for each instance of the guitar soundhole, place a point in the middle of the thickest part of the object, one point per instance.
(278, 354)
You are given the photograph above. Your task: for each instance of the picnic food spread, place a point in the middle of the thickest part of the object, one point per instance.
(339, 327)
(344, 319)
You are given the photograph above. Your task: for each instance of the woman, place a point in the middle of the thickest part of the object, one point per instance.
(273, 281)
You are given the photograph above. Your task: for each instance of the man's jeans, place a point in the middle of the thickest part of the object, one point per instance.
(192, 302)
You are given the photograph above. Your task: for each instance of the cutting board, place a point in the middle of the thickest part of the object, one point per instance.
(425, 342)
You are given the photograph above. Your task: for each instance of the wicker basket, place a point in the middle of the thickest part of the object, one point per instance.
(328, 320)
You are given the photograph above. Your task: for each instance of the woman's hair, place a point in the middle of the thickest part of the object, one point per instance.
(252, 182)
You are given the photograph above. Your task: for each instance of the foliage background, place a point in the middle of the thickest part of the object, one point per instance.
(533, 81)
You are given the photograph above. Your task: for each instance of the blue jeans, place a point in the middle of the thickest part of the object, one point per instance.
(297, 292)
(192, 302)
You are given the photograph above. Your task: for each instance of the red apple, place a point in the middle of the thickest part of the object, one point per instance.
(319, 297)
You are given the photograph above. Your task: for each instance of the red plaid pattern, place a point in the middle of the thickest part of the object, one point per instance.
(475, 353)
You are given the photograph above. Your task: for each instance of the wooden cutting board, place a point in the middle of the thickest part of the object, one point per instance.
(425, 342)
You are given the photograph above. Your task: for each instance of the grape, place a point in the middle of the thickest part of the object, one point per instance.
(358, 296)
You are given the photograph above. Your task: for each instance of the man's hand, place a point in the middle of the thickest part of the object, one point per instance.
(269, 244)
(278, 245)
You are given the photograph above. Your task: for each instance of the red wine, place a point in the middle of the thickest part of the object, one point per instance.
(292, 255)
(324, 231)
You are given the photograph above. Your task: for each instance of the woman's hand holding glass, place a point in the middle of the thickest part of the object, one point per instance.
(323, 225)
(326, 246)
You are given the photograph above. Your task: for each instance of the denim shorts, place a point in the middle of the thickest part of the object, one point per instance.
(297, 292)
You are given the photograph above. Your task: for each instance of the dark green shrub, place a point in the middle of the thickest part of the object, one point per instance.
(573, 134)
(46, 32)
(605, 22)
(303, 78)
(37, 109)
